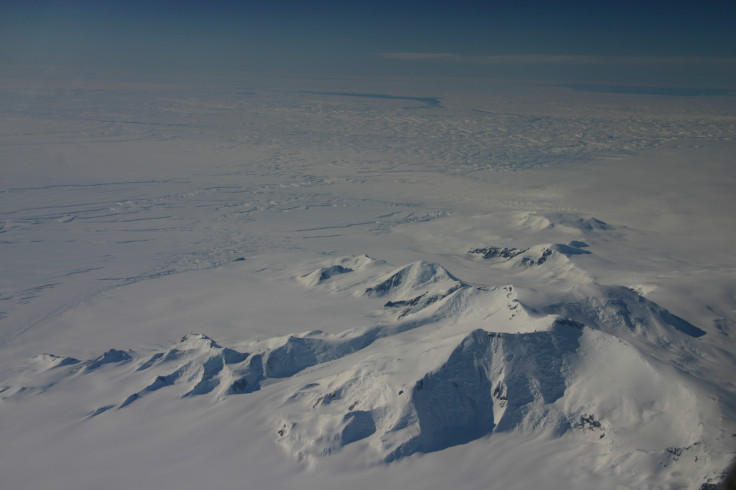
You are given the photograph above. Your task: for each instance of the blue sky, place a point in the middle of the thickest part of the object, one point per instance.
(621, 42)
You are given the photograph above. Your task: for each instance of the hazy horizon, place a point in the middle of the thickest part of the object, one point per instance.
(663, 43)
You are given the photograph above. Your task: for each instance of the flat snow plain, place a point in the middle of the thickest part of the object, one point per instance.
(303, 283)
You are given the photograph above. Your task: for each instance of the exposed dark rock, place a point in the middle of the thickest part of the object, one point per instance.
(384, 287)
(530, 262)
(333, 271)
(495, 252)
(589, 422)
(569, 322)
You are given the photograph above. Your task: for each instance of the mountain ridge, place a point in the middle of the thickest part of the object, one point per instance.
(446, 363)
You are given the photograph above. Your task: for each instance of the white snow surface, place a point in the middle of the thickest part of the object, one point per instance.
(277, 288)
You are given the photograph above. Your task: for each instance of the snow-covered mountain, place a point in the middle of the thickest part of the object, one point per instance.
(266, 285)
(444, 364)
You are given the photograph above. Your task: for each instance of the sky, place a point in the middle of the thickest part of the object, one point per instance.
(675, 42)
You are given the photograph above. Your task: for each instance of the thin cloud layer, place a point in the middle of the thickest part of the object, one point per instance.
(528, 59)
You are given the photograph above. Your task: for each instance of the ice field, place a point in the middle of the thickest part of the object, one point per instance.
(365, 282)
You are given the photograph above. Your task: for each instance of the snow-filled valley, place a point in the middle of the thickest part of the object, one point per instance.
(309, 284)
